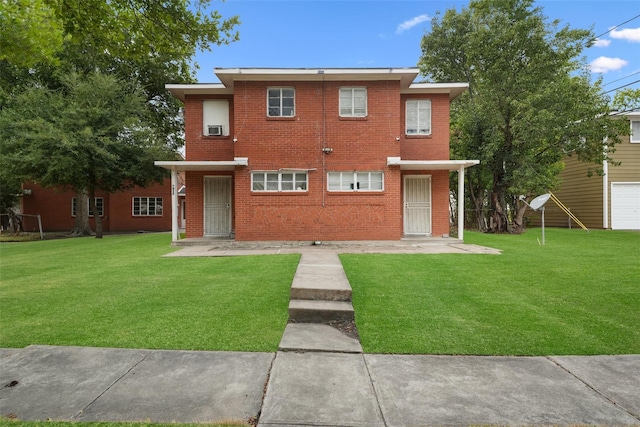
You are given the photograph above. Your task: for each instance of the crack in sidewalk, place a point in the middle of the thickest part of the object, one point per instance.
(594, 389)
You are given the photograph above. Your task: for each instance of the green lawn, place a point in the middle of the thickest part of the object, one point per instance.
(120, 292)
(578, 294)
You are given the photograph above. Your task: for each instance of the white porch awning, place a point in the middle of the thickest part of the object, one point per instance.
(203, 165)
(417, 165)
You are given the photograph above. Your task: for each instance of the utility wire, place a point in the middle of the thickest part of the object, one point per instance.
(620, 87)
(613, 28)
(621, 78)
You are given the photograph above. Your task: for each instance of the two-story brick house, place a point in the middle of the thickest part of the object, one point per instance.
(317, 154)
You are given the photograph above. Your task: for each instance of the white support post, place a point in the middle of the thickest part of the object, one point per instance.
(461, 203)
(175, 229)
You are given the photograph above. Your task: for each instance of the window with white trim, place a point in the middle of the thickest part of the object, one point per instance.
(279, 181)
(635, 132)
(281, 102)
(147, 206)
(418, 117)
(353, 102)
(355, 181)
(99, 206)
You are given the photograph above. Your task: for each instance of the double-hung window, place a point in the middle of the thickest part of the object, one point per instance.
(418, 117)
(353, 102)
(635, 131)
(99, 206)
(147, 206)
(355, 181)
(281, 102)
(279, 181)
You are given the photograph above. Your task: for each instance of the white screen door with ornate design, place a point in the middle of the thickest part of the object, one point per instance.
(217, 206)
(417, 205)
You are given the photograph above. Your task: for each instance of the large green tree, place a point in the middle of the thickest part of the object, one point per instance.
(151, 43)
(91, 134)
(530, 102)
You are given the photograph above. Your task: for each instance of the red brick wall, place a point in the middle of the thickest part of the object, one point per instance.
(358, 144)
(430, 147)
(201, 147)
(54, 208)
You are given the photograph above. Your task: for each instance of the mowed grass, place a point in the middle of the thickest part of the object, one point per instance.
(579, 294)
(120, 292)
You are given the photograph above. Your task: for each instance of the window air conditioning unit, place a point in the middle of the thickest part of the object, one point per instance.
(214, 130)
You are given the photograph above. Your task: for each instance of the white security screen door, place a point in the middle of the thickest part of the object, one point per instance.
(217, 206)
(417, 205)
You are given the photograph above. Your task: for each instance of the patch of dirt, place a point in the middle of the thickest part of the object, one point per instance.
(347, 327)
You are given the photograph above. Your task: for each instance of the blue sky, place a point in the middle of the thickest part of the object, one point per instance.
(383, 33)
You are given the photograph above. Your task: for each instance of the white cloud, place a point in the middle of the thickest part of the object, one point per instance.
(629, 34)
(407, 25)
(602, 43)
(604, 64)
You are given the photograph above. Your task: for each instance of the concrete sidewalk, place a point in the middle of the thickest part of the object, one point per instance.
(320, 389)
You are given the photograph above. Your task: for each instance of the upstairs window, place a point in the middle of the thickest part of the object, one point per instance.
(281, 102)
(279, 181)
(353, 102)
(355, 181)
(147, 206)
(635, 131)
(418, 117)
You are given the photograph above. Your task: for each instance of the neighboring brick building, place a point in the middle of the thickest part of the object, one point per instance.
(137, 209)
(317, 154)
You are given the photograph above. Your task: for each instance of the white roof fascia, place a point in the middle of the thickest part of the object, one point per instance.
(453, 89)
(228, 75)
(181, 90)
(450, 165)
(204, 165)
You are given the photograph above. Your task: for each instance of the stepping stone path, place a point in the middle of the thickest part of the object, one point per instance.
(320, 297)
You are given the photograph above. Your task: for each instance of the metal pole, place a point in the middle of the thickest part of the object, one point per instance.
(542, 225)
(40, 227)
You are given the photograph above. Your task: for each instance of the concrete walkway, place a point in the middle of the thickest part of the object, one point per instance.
(320, 377)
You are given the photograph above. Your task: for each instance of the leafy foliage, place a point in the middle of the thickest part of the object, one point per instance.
(56, 55)
(530, 102)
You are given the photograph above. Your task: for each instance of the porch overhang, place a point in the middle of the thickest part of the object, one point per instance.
(448, 165)
(204, 165)
(418, 165)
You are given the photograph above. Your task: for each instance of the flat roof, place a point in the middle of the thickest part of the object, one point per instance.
(228, 76)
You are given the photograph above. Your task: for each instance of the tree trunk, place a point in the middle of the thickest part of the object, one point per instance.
(518, 222)
(81, 227)
(96, 213)
(498, 220)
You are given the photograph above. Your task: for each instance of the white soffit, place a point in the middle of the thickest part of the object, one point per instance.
(417, 165)
(208, 165)
(181, 90)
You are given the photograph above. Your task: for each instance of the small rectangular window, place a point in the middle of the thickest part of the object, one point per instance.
(418, 117)
(281, 102)
(353, 101)
(355, 181)
(279, 181)
(635, 131)
(147, 206)
(99, 205)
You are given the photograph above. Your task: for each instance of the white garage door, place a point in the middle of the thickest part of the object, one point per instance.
(625, 206)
